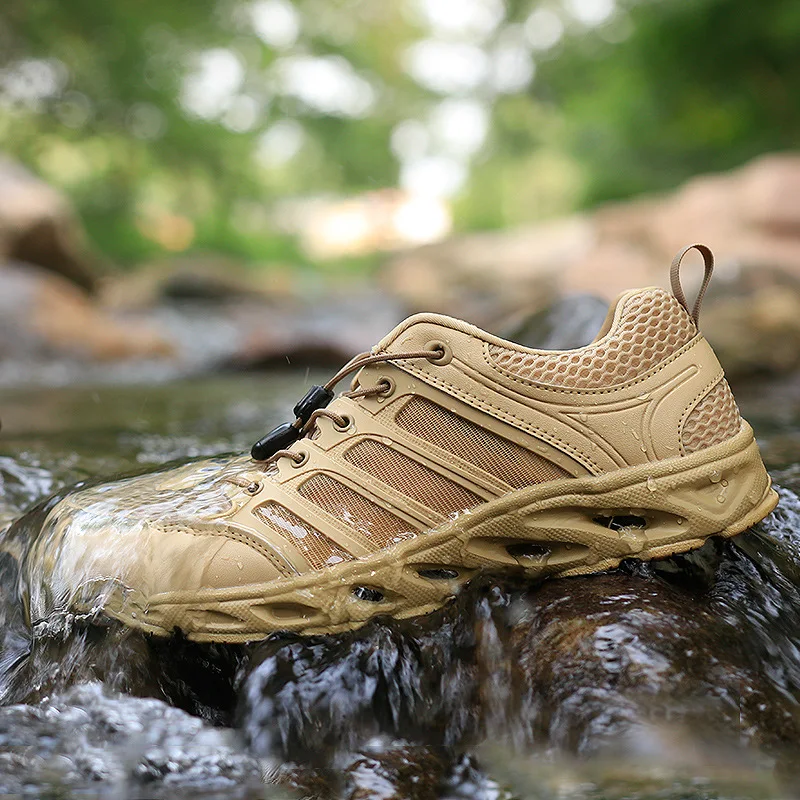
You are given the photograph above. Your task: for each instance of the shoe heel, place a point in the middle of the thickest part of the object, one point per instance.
(652, 511)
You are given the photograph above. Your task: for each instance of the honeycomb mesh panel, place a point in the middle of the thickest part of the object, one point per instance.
(713, 420)
(500, 457)
(368, 518)
(652, 326)
(317, 549)
(411, 478)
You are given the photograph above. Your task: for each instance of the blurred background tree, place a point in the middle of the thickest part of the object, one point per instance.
(668, 89)
(229, 124)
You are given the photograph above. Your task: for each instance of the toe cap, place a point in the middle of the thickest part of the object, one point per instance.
(237, 564)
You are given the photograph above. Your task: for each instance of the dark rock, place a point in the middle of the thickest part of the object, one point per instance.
(568, 323)
(398, 771)
(200, 278)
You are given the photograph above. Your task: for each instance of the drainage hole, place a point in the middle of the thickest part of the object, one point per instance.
(438, 574)
(527, 550)
(621, 521)
(367, 593)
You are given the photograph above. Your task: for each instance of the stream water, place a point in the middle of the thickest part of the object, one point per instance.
(677, 679)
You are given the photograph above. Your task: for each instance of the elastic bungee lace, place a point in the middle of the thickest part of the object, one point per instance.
(312, 407)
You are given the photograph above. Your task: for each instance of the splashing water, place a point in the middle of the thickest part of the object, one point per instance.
(677, 678)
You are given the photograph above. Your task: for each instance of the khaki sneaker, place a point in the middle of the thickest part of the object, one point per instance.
(454, 451)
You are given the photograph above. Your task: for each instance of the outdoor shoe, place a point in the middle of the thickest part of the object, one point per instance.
(455, 451)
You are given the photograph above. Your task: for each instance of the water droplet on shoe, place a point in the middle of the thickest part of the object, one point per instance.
(715, 476)
(652, 486)
(583, 416)
(634, 538)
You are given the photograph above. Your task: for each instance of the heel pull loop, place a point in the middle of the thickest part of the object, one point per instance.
(675, 278)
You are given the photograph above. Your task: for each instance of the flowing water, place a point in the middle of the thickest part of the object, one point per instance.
(677, 679)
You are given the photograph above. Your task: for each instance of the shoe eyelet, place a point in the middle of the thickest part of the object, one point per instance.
(349, 424)
(389, 385)
(254, 488)
(301, 461)
(437, 346)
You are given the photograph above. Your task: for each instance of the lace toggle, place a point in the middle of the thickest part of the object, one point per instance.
(316, 399)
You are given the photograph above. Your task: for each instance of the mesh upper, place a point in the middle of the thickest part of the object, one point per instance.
(373, 521)
(652, 326)
(411, 478)
(500, 457)
(318, 550)
(713, 420)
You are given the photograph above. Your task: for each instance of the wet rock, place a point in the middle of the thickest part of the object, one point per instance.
(46, 659)
(388, 769)
(135, 747)
(398, 771)
(38, 226)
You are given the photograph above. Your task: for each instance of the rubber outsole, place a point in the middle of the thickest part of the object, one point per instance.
(575, 526)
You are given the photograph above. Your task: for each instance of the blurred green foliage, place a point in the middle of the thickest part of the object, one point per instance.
(184, 123)
(692, 87)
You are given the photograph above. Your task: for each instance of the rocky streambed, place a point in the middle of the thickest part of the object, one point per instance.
(679, 678)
